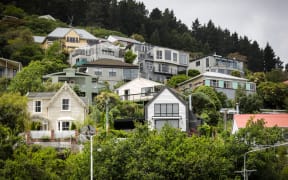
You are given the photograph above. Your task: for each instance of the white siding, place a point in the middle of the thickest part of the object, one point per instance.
(167, 97)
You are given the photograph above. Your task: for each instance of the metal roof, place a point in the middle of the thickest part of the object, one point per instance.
(39, 39)
(119, 38)
(61, 32)
(40, 94)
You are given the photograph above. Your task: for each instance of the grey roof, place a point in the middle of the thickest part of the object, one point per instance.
(48, 16)
(39, 39)
(40, 94)
(126, 39)
(61, 32)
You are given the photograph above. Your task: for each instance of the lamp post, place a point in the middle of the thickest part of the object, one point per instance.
(254, 150)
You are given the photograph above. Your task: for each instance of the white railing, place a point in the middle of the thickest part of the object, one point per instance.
(64, 134)
(40, 134)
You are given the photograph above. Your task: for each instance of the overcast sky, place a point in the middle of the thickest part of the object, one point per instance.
(260, 20)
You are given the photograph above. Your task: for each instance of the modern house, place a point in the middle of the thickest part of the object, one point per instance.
(271, 120)
(87, 84)
(216, 63)
(57, 110)
(70, 38)
(111, 71)
(139, 89)
(159, 63)
(9, 68)
(102, 50)
(221, 82)
(167, 107)
(126, 42)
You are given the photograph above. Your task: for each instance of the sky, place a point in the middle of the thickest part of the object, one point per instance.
(265, 21)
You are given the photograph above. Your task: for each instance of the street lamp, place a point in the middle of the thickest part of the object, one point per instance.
(90, 131)
(254, 150)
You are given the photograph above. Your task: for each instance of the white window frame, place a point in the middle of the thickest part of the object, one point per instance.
(159, 54)
(60, 125)
(98, 72)
(112, 72)
(35, 106)
(62, 104)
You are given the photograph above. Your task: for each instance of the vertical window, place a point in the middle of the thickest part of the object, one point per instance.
(37, 106)
(167, 55)
(159, 54)
(174, 56)
(65, 104)
(207, 62)
(183, 57)
(197, 63)
(112, 72)
(63, 125)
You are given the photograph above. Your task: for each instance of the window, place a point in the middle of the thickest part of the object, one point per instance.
(197, 63)
(63, 125)
(159, 54)
(171, 122)
(65, 105)
(183, 58)
(112, 72)
(166, 110)
(37, 106)
(214, 83)
(227, 84)
(207, 62)
(98, 71)
(168, 55)
(146, 91)
(174, 56)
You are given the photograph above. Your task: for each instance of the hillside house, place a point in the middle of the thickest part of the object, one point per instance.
(139, 89)
(9, 68)
(220, 82)
(70, 38)
(216, 63)
(167, 107)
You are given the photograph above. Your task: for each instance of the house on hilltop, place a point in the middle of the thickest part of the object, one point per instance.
(70, 38)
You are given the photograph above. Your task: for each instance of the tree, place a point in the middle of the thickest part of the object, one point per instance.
(13, 112)
(273, 94)
(236, 73)
(129, 56)
(249, 104)
(209, 91)
(193, 72)
(176, 79)
(269, 58)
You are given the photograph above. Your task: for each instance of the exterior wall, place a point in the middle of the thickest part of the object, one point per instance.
(72, 45)
(98, 51)
(167, 97)
(218, 64)
(229, 91)
(55, 113)
(135, 88)
(7, 69)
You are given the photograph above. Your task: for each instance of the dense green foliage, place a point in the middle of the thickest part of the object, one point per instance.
(174, 80)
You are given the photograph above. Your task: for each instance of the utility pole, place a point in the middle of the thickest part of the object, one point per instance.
(107, 116)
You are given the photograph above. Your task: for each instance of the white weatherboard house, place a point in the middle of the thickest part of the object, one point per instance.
(139, 89)
(57, 110)
(167, 107)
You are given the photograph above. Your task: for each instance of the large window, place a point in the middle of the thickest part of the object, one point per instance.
(167, 55)
(207, 62)
(98, 71)
(65, 104)
(112, 72)
(171, 122)
(183, 58)
(175, 57)
(146, 91)
(37, 106)
(63, 125)
(159, 54)
(197, 63)
(214, 83)
(166, 110)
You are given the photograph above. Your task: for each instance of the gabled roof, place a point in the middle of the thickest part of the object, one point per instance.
(214, 75)
(64, 88)
(140, 81)
(130, 40)
(172, 91)
(61, 32)
(109, 63)
(280, 120)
